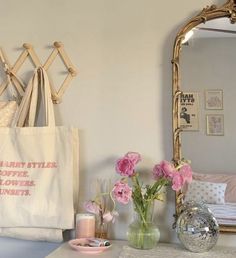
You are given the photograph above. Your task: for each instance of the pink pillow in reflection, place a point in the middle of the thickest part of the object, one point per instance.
(229, 179)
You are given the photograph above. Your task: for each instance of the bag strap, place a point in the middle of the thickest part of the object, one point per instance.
(20, 118)
(41, 83)
(27, 112)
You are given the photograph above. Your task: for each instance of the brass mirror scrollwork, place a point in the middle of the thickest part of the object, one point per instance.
(227, 10)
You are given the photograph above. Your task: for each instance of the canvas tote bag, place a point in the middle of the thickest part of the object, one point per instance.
(8, 108)
(7, 112)
(38, 170)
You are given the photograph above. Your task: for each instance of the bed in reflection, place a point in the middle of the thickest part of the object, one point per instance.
(218, 191)
(224, 213)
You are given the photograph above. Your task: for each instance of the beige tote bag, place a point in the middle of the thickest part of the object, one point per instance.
(38, 169)
(7, 111)
(8, 108)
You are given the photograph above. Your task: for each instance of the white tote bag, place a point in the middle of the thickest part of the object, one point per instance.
(38, 167)
(8, 108)
(7, 112)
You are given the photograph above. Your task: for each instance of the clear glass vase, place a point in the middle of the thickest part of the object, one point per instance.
(142, 232)
(101, 227)
(101, 230)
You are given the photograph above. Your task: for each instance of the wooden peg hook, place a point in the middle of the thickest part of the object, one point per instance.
(27, 46)
(28, 52)
(57, 44)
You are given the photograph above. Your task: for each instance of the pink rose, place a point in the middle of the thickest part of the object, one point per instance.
(122, 192)
(110, 216)
(168, 168)
(186, 173)
(164, 169)
(135, 157)
(125, 167)
(91, 206)
(157, 172)
(177, 181)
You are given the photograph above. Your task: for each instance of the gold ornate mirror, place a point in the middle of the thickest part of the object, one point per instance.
(204, 86)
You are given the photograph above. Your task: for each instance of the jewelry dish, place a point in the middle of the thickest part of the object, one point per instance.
(82, 245)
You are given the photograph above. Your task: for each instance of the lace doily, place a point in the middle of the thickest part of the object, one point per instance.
(176, 251)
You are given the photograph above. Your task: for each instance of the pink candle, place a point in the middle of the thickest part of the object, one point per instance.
(85, 225)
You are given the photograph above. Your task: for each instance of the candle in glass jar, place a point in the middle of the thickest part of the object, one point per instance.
(85, 225)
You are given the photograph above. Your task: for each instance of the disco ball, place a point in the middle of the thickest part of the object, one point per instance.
(196, 227)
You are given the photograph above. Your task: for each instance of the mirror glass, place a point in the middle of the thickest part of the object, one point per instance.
(207, 71)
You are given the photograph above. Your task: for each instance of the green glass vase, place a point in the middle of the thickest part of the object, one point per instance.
(142, 232)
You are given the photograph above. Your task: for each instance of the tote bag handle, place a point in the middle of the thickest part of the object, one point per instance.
(37, 87)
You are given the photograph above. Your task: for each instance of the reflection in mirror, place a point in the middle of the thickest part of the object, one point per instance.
(208, 65)
(203, 108)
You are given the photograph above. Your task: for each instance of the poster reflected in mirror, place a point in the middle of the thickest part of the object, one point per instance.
(214, 99)
(189, 111)
(215, 124)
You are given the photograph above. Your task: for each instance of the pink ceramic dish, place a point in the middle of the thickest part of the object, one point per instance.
(77, 244)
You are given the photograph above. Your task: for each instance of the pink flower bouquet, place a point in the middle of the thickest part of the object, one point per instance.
(164, 173)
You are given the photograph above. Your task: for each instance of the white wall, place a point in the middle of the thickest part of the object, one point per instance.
(121, 99)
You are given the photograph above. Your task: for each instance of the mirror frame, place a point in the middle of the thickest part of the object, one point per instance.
(227, 10)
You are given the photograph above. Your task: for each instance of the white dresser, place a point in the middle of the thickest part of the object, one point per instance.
(120, 249)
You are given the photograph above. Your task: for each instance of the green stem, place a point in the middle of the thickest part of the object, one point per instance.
(139, 206)
(158, 185)
(140, 212)
(114, 203)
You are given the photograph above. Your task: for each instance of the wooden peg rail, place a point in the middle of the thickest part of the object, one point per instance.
(28, 52)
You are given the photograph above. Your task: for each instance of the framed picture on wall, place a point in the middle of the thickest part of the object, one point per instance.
(189, 111)
(215, 124)
(214, 99)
